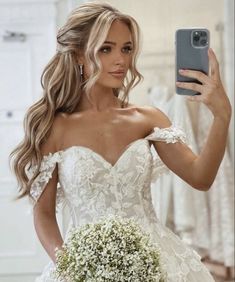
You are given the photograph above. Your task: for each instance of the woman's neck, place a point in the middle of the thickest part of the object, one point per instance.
(99, 103)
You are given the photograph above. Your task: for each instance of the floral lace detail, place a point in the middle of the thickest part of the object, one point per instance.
(93, 188)
(47, 167)
(170, 134)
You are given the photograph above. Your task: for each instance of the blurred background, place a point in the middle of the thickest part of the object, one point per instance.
(27, 42)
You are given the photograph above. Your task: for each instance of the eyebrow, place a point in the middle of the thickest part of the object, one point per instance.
(113, 43)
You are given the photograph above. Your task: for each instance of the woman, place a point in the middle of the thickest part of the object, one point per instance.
(86, 136)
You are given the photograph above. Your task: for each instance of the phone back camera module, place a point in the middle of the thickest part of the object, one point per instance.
(199, 39)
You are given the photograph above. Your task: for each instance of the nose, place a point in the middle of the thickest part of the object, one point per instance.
(119, 58)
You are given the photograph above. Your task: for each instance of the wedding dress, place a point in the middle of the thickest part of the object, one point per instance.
(92, 187)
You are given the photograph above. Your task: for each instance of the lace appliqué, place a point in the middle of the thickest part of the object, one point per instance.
(158, 167)
(170, 134)
(47, 167)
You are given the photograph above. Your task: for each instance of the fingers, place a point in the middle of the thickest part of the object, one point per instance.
(214, 65)
(209, 82)
(200, 76)
(191, 86)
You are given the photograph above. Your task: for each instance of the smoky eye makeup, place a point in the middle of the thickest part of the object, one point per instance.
(128, 49)
(107, 49)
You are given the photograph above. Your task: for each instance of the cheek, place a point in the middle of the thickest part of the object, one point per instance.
(104, 66)
(128, 61)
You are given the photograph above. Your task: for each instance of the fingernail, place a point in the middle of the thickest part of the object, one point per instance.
(181, 70)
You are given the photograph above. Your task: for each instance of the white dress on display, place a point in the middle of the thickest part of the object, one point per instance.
(191, 213)
(92, 187)
(183, 209)
(220, 199)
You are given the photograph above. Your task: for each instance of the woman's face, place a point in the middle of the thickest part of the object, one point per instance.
(115, 55)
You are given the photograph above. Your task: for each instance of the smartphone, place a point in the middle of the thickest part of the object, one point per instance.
(191, 47)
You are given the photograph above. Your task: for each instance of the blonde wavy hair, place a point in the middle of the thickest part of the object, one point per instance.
(84, 32)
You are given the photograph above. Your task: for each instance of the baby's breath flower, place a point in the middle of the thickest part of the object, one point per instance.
(112, 249)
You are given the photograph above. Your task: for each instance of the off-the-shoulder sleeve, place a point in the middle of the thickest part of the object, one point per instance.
(170, 134)
(47, 167)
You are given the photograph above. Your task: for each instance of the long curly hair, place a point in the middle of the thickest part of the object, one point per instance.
(84, 32)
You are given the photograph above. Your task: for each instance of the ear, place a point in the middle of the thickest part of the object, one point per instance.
(80, 58)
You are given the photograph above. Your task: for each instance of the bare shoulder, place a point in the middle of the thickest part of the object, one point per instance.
(51, 143)
(154, 116)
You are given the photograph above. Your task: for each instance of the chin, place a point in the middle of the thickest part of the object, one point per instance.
(113, 85)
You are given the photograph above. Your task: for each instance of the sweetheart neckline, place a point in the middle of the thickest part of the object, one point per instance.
(128, 146)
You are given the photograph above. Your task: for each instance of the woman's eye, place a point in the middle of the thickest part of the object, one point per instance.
(105, 49)
(127, 49)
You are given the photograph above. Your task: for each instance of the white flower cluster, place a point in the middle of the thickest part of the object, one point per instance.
(113, 249)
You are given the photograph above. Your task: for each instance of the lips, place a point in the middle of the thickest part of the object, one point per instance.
(118, 74)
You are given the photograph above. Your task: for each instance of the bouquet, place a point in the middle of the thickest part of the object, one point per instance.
(113, 249)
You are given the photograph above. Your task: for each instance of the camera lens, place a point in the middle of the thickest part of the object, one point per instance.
(196, 37)
(203, 33)
(203, 42)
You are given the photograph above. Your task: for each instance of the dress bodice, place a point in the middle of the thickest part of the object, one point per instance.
(105, 189)
(92, 187)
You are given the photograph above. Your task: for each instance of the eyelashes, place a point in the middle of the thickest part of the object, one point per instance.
(108, 49)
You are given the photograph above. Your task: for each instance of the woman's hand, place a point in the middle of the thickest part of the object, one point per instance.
(212, 91)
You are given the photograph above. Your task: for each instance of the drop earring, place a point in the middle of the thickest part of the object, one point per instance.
(81, 72)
